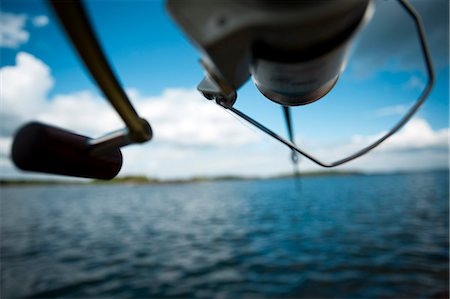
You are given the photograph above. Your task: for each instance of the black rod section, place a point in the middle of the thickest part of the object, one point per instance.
(287, 117)
(294, 156)
(76, 23)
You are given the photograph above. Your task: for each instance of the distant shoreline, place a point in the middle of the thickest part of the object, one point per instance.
(144, 180)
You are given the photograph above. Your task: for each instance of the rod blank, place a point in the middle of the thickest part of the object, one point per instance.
(75, 21)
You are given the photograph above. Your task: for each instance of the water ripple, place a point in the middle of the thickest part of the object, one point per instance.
(375, 236)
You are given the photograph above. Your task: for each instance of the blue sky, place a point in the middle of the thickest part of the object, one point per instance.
(159, 68)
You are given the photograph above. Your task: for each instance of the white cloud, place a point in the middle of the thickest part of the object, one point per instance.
(5, 145)
(12, 32)
(24, 88)
(391, 110)
(83, 112)
(191, 135)
(417, 134)
(40, 21)
(417, 146)
(178, 116)
(184, 117)
(414, 83)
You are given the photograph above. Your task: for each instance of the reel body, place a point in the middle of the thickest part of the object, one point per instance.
(293, 50)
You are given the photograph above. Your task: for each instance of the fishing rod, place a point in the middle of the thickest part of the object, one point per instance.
(294, 51)
(294, 155)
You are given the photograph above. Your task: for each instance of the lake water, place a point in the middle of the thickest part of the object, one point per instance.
(354, 236)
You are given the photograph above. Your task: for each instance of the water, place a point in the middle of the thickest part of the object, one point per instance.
(355, 236)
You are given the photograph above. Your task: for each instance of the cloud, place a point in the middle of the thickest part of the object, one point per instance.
(391, 110)
(25, 86)
(414, 83)
(12, 32)
(83, 112)
(178, 116)
(416, 135)
(5, 145)
(416, 146)
(184, 117)
(192, 136)
(40, 21)
(187, 128)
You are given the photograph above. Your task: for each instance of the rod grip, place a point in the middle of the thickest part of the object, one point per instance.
(43, 148)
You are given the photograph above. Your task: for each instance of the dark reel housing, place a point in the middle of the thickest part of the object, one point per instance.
(294, 50)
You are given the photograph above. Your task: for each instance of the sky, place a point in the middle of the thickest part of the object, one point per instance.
(43, 79)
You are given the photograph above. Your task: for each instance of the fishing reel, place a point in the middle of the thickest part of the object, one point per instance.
(294, 51)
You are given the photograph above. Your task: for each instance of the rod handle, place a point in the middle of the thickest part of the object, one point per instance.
(42, 148)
